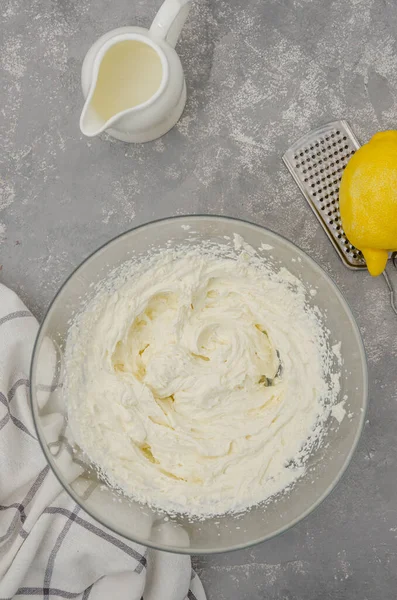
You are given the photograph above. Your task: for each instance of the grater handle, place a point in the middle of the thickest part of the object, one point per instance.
(389, 281)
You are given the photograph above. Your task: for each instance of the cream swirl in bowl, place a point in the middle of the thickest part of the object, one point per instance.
(198, 382)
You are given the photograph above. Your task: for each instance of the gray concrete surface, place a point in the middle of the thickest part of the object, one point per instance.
(259, 74)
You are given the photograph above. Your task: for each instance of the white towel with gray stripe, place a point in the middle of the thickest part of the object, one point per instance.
(49, 547)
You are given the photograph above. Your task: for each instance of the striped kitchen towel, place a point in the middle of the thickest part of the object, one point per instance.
(49, 547)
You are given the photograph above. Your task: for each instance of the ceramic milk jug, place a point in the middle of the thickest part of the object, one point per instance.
(133, 80)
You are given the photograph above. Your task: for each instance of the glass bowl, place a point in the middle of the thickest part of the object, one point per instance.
(137, 522)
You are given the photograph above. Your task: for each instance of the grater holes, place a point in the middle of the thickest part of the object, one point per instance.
(325, 159)
(319, 164)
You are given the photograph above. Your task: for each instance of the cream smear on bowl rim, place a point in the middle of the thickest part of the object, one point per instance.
(199, 379)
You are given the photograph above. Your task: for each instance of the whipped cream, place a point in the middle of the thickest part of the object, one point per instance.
(198, 382)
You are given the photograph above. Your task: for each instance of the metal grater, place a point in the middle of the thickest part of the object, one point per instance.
(316, 162)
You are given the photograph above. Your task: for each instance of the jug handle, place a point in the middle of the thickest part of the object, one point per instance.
(170, 19)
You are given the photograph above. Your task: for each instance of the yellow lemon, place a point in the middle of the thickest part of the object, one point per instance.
(368, 200)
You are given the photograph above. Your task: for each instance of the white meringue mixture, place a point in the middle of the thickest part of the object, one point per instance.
(199, 381)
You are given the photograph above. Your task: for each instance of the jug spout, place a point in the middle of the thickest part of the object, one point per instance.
(91, 124)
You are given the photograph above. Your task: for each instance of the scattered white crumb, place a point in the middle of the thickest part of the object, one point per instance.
(238, 241)
(336, 351)
(266, 247)
(240, 244)
(338, 411)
